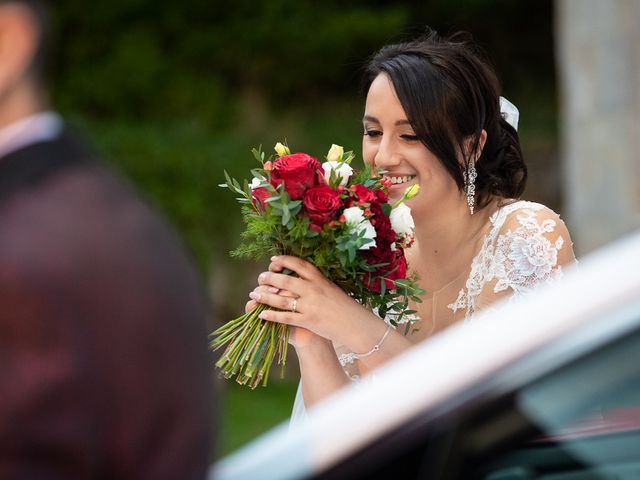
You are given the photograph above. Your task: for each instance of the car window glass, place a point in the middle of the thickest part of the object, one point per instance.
(589, 416)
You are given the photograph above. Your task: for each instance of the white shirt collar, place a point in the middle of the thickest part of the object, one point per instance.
(41, 127)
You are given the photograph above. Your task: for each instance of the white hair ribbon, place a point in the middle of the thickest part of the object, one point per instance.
(509, 112)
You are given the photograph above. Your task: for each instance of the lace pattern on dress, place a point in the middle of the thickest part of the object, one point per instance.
(518, 259)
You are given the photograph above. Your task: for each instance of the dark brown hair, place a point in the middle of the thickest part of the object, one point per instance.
(450, 94)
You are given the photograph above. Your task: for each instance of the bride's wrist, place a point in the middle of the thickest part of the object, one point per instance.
(314, 346)
(353, 333)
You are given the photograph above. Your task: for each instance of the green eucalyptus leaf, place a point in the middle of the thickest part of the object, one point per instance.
(286, 215)
(258, 154)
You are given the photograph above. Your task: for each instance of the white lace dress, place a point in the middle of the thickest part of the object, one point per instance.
(526, 245)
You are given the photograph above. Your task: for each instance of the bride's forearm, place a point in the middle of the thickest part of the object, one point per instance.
(321, 372)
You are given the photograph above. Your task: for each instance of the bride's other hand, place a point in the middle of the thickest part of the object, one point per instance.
(258, 292)
(311, 300)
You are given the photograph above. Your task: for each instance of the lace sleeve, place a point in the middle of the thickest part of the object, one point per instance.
(531, 248)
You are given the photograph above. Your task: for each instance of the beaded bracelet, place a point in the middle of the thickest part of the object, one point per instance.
(350, 357)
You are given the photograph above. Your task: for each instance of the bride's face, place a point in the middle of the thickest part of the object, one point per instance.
(390, 144)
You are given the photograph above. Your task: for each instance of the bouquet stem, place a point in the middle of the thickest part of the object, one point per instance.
(252, 345)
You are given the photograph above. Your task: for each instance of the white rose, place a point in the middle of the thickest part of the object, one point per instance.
(335, 153)
(369, 232)
(343, 171)
(401, 220)
(353, 215)
(357, 223)
(255, 183)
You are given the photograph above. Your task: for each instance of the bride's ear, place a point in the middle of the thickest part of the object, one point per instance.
(473, 146)
(482, 139)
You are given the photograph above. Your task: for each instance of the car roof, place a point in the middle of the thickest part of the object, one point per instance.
(462, 356)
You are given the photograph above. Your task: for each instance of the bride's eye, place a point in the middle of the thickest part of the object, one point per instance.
(372, 133)
(410, 138)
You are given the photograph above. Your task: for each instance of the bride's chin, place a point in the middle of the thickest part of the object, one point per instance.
(394, 196)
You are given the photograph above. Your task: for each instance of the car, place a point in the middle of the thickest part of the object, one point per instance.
(543, 386)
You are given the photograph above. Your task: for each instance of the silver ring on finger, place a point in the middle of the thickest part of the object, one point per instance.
(294, 305)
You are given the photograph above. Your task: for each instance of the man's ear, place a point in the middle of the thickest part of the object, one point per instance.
(19, 37)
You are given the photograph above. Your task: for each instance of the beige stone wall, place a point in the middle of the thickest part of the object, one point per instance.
(598, 55)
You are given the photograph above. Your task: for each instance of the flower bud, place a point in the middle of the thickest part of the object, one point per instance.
(281, 149)
(411, 191)
(335, 153)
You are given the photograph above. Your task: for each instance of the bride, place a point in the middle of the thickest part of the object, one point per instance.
(432, 117)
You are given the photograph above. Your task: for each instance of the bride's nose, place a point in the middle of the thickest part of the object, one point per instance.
(386, 158)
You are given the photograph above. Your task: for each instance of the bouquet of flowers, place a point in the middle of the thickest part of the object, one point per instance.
(340, 221)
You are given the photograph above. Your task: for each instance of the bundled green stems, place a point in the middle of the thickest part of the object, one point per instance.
(252, 346)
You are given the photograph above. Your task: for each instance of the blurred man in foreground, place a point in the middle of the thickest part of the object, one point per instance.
(104, 371)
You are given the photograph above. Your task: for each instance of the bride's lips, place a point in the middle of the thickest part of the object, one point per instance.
(395, 186)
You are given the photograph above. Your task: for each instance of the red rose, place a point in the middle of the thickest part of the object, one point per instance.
(260, 194)
(298, 172)
(396, 269)
(385, 235)
(364, 194)
(321, 203)
(381, 196)
(399, 266)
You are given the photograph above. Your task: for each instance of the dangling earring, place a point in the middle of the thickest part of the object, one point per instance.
(470, 176)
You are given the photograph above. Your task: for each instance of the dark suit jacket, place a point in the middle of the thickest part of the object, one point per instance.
(104, 368)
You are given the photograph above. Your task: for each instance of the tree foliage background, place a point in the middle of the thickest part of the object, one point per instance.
(171, 93)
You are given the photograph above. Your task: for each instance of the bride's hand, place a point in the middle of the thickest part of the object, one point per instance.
(309, 300)
(299, 337)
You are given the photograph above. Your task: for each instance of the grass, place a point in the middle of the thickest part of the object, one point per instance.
(247, 413)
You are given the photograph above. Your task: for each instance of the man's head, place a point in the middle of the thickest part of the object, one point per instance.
(23, 29)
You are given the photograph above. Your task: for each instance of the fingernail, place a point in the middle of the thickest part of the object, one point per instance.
(273, 290)
(274, 258)
(262, 276)
(254, 296)
(264, 315)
